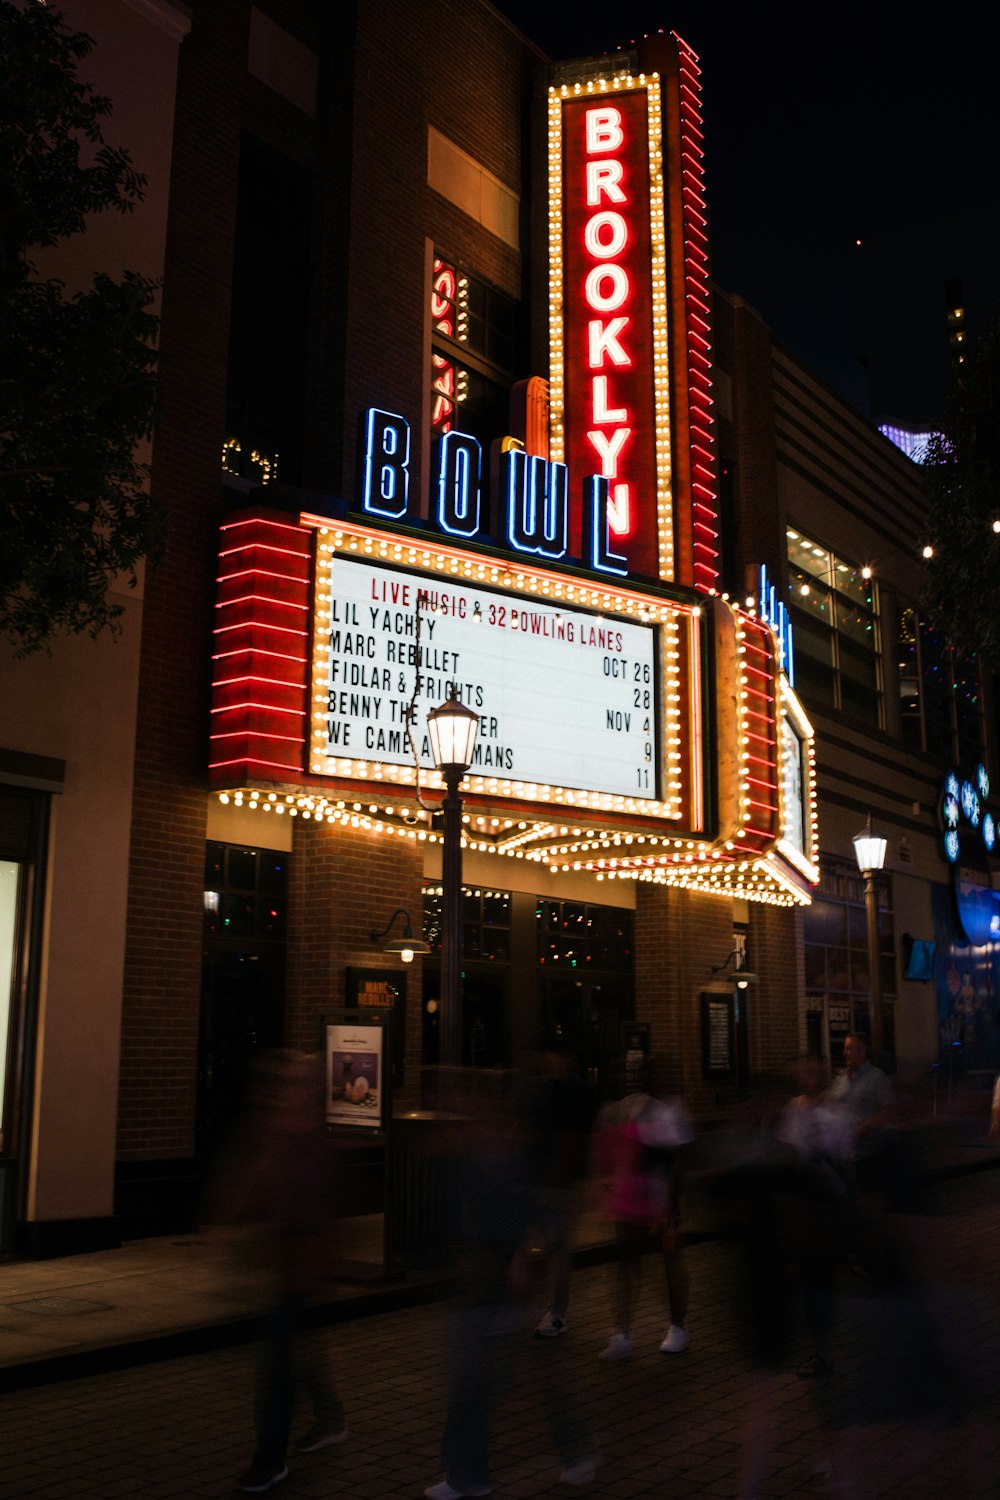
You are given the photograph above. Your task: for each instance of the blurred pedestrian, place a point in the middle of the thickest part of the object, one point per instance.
(638, 1145)
(496, 1214)
(862, 1094)
(557, 1116)
(823, 1142)
(280, 1178)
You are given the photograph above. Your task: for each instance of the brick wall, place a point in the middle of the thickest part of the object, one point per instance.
(679, 936)
(343, 885)
(163, 952)
(373, 214)
(777, 1004)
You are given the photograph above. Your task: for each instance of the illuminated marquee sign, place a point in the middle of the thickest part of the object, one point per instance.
(565, 698)
(601, 705)
(630, 361)
(534, 500)
(609, 355)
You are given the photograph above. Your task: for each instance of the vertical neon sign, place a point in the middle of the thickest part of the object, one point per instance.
(613, 318)
(444, 287)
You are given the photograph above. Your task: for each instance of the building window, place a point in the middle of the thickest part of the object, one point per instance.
(835, 930)
(834, 609)
(941, 708)
(572, 935)
(244, 892)
(485, 922)
(474, 332)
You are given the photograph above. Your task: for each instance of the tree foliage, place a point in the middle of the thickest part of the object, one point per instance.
(962, 482)
(77, 372)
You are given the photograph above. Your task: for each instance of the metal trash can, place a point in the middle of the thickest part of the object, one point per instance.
(421, 1190)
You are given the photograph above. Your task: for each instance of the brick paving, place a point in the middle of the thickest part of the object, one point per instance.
(666, 1427)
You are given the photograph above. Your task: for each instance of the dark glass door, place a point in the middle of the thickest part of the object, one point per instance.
(589, 1015)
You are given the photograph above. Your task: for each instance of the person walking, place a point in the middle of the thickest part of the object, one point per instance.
(821, 1138)
(638, 1144)
(558, 1115)
(279, 1178)
(496, 1208)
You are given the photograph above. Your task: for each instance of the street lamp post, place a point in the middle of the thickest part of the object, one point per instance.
(869, 849)
(452, 730)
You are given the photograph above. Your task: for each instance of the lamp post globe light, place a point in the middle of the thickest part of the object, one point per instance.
(869, 850)
(452, 729)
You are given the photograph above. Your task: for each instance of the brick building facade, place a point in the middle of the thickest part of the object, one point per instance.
(321, 165)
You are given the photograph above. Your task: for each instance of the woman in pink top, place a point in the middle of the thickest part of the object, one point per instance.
(638, 1142)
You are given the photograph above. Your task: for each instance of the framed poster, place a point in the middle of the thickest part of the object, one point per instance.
(357, 1091)
(718, 1034)
(383, 991)
(636, 1049)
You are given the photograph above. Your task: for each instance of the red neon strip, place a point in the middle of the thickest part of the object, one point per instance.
(259, 651)
(253, 760)
(256, 734)
(271, 708)
(257, 625)
(261, 521)
(261, 599)
(265, 547)
(298, 687)
(261, 573)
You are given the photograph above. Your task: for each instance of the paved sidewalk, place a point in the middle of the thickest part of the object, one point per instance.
(665, 1427)
(161, 1298)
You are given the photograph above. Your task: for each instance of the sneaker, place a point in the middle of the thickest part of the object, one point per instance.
(676, 1340)
(446, 1491)
(581, 1470)
(619, 1347)
(320, 1436)
(813, 1367)
(260, 1478)
(551, 1326)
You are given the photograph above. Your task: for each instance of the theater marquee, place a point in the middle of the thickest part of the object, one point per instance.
(633, 722)
(564, 700)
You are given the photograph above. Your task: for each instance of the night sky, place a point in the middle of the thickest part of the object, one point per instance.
(827, 125)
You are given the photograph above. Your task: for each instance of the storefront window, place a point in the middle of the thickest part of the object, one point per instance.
(244, 892)
(835, 932)
(485, 922)
(9, 888)
(572, 935)
(834, 610)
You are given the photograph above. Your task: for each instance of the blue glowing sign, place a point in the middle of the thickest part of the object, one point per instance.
(385, 481)
(969, 798)
(458, 467)
(536, 512)
(774, 613)
(534, 494)
(597, 528)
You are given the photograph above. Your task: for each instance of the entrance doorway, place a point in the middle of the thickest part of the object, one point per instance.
(485, 1032)
(243, 978)
(590, 1015)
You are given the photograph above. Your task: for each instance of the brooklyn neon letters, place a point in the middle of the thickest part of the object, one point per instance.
(608, 326)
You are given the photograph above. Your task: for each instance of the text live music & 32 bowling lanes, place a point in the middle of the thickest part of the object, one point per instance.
(565, 698)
